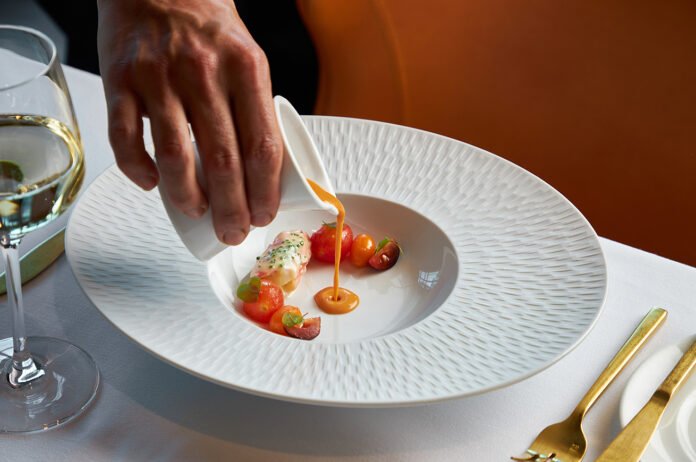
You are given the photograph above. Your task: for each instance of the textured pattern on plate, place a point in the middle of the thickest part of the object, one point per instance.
(531, 280)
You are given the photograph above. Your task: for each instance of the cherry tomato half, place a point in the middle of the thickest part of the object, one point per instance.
(386, 255)
(269, 300)
(276, 325)
(324, 241)
(362, 249)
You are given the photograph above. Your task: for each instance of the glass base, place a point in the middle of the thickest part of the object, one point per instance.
(66, 389)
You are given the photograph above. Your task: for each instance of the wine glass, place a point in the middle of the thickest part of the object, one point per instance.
(43, 381)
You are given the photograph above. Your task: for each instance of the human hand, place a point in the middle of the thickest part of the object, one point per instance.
(192, 61)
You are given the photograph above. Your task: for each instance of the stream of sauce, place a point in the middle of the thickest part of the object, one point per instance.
(334, 299)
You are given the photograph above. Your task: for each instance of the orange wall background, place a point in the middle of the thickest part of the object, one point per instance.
(597, 98)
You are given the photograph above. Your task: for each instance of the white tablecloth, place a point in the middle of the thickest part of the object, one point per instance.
(150, 411)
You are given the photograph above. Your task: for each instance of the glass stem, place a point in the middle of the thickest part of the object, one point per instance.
(24, 368)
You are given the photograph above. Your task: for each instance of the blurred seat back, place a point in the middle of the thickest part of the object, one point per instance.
(597, 98)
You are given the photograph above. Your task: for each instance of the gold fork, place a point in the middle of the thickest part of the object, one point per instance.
(565, 441)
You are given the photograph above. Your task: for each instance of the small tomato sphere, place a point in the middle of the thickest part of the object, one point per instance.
(362, 249)
(269, 301)
(324, 242)
(276, 323)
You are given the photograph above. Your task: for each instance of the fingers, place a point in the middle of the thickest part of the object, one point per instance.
(260, 140)
(215, 77)
(174, 153)
(222, 163)
(126, 137)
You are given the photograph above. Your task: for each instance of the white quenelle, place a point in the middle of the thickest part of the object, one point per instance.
(301, 160)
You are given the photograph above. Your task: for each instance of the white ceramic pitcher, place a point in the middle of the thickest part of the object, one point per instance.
(301, 160)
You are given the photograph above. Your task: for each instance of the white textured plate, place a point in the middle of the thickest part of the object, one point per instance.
(675, 437)
(524, 285)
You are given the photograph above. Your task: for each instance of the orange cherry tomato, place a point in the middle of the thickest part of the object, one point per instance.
(362, 249)
(276, 323)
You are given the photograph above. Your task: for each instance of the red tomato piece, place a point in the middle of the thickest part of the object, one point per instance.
(309, 329)
(386, 255)
(324, 241)
(269, 301)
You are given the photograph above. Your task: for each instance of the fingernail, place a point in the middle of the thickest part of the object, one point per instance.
(148, 182)
(261, 219)
(197, 212)
(233, 237)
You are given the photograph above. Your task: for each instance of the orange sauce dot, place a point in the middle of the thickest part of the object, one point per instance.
(346, 302)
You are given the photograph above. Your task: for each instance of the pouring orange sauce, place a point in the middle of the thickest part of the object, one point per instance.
(334, 299)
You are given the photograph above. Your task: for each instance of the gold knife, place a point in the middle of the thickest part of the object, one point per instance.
(632, 441)
(38, 259)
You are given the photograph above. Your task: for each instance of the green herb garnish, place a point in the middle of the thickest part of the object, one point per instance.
(386, 241)
(248, 290)
(382, 243)
(292, 319)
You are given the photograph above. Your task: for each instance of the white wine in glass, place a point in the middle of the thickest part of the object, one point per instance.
(43, 381)
(41, 169)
